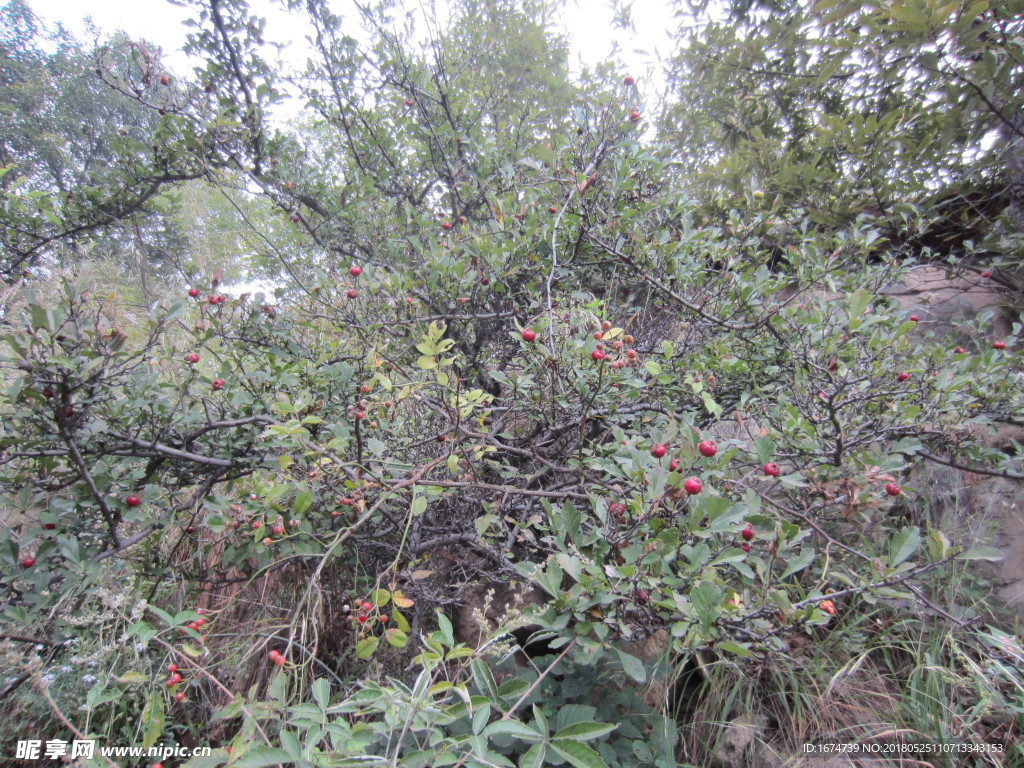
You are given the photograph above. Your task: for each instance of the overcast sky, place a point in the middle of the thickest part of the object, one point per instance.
(587, 22)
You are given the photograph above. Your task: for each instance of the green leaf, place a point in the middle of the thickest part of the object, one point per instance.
(632, 666)
(734, 647)
(322, 692)
(396, 637)
(302, 502)
(904, 544)
(982, 553)
(577, 754)
(152, 719)
(513, 728)
(586, 730)
(419, 504)
(484, 679)
(798, 563)
(480, 718)
(533, 758)
(263, 757)
(365, 648)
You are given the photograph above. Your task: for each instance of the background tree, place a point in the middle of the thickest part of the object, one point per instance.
(511, 342)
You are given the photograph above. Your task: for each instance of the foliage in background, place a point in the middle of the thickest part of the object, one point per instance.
(663, 383)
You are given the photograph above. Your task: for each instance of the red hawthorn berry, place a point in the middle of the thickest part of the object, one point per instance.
(748, 532)
(771, 469)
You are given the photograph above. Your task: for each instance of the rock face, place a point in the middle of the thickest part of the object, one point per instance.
(947, 303)
(979, 510)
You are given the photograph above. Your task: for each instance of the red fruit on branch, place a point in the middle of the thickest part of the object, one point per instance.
(693, 486)
(771, 469)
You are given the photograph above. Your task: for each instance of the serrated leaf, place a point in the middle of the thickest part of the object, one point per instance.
(632, 666)
(396, 637)
(585, 731)
(798, 563)
(263, 757)
(322, 692)
(513, 728)
(904, 544)
(734, 647)
(533, 758)
(302, 502)
(577, 754)
(152, 719)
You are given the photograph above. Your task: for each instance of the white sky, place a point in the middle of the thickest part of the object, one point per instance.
(587, 22)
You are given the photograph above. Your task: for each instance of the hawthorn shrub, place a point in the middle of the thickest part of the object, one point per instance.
(507, 346)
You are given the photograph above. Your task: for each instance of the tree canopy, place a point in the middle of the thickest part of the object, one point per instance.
(648, 374)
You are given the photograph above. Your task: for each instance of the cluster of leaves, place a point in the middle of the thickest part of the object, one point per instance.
(495, 302)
